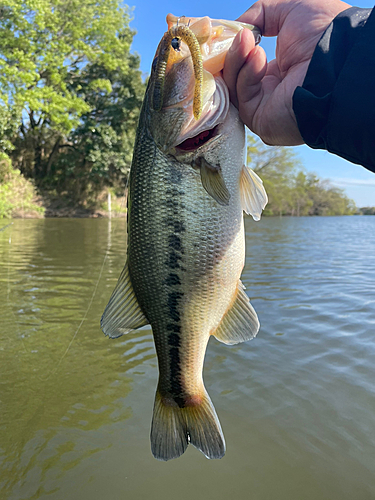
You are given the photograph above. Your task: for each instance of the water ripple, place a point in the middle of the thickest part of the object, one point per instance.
(297, 403)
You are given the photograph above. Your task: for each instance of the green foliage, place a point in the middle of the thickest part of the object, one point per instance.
(70, 84)
(366, 211)
(17, 194)
(290, 190)
(99, 151)
(8, 126)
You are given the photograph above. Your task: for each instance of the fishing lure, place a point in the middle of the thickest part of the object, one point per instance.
(172, 39)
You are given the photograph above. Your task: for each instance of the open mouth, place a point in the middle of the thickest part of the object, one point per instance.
(197, 141)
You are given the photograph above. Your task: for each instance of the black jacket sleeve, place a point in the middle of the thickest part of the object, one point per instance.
(335, 107)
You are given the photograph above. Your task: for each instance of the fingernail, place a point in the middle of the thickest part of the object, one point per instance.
(236, 42)
(257, 34)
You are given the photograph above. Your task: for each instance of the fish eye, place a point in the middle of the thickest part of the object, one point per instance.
(154, 63)
(176, 44)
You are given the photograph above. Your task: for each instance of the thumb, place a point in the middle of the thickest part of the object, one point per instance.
(244, 68)
(268, 15)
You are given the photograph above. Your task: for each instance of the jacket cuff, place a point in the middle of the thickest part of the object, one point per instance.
(335, 107)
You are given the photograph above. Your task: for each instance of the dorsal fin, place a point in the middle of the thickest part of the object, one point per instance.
(253, 195)
(240, 322)
(122, 313)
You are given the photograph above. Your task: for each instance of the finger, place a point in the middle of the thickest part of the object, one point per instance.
(249, 88)
(268, 15)
(271, 110)
(236, 57)
(254, 97)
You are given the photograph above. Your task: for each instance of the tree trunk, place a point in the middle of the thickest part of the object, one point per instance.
(51, 157)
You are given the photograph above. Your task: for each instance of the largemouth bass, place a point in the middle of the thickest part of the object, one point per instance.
(188, 188)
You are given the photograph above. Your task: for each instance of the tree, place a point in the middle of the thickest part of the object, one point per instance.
(290, 190)
(276, 166)
(367, 211)
(99, 150)
(62, 63)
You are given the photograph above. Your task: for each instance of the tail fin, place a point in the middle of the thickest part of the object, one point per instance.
(173, 428)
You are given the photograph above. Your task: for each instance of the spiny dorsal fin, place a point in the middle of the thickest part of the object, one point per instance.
(122, 313)
(240, 322)
(253, 195)
(213, 182)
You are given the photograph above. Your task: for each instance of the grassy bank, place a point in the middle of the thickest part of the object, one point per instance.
(18, 196)
(61, 206)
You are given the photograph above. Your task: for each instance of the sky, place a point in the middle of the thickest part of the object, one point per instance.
(149, 23)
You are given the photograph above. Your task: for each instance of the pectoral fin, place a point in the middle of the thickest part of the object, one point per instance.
(240, 322)
(122, 313)
(213, 182)
(253, 195)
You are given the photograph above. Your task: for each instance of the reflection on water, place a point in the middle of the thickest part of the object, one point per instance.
(53, 400)
(296, 404)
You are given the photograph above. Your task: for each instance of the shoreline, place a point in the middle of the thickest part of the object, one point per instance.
(81, 213)
(54, 208)
(71, 213)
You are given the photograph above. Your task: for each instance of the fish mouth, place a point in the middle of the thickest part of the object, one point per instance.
(197, 133)
(194, 143)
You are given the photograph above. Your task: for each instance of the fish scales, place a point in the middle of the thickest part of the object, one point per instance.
(188, 188)
(162, 248)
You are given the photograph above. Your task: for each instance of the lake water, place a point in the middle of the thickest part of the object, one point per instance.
(297, 404)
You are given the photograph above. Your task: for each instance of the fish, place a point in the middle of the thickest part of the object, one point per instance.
(188, 188)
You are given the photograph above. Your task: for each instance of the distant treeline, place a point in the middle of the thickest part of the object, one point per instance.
(292, 191)
(70, 97)
(366, 211)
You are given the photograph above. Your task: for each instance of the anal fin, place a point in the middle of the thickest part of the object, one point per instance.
(253, 195)
(123, 312)
(240, 322)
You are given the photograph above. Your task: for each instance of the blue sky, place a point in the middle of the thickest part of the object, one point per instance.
(149, 22)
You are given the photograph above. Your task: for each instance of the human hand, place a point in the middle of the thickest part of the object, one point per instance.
(263, 92)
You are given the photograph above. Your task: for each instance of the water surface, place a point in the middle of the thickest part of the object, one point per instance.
(296, 404)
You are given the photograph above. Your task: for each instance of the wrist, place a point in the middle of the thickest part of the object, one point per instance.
(312, 102)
